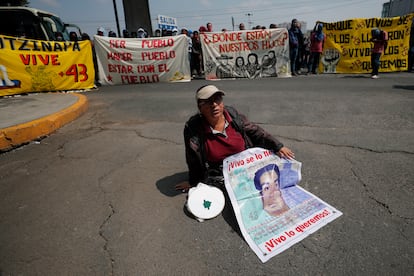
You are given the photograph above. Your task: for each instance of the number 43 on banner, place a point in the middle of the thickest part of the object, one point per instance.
(78, 71)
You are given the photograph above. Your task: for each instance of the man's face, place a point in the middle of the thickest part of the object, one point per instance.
(296, 24)
(273, 202)
(212, 108)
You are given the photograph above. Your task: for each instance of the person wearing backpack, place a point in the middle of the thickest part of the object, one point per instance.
(380, 40)
(217, 132)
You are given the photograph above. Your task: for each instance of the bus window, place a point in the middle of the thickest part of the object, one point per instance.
(32, 23)
(20, 23)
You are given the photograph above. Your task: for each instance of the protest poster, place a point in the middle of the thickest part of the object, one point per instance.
(167, 22)
(28, 65)
(246, 54)
(348, 47)
(142, 60)
(272, 211)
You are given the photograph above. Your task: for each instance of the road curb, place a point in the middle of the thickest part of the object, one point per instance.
(23, 133)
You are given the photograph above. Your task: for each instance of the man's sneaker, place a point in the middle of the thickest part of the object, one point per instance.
(374, 77)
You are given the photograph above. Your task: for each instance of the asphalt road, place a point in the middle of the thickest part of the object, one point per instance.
(97, 197)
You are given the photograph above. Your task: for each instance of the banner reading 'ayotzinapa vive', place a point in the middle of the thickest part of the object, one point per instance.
(348, 47)
(28, 65)
(246, 54)
(142, 60)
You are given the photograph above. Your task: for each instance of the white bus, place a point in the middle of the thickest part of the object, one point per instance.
(33, 23)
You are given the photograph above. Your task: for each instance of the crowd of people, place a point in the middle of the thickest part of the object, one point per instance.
(305, 49)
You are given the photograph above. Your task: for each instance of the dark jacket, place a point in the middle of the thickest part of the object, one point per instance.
(194, 139)
(296, 39)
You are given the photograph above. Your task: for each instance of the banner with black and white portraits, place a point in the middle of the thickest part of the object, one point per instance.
(246, 54)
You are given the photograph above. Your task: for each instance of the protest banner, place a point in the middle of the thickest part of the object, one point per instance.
(272, 211)
(166, 22)
(142, 60)
(347, 47)
(246, 54)
(28, 65)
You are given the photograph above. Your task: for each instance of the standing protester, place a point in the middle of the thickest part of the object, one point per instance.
(380, 40)
(317, 40)
(184, 31)
(73, 36)
(411, 51)
(141, 33)
(100, 31)
(209, 26)
(306, 61)
(125, 33)
(295, 43)
(196, 55)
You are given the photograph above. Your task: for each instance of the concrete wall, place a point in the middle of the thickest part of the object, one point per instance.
(137, 15)
(398, 7)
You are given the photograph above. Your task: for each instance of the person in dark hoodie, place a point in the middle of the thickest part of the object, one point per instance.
(317, 40)
(295, 43)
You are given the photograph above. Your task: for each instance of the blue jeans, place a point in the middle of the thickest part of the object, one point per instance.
(293, 58)
(375, 63)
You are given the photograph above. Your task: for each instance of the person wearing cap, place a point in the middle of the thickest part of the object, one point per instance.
(100, 31)
(217, 132)
(157, 33)
(141, 33)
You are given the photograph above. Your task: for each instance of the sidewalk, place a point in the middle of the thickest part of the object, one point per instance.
(27, 118)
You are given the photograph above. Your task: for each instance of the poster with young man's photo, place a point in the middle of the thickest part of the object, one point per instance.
(272, 211)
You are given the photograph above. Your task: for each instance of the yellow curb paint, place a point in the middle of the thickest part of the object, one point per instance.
(23, 133)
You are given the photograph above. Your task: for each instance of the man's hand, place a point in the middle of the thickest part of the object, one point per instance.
(183, 186)
(286, 153)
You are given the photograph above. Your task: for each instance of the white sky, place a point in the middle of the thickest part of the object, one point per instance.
(91, 14)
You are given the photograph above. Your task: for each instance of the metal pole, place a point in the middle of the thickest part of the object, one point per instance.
(117, 20)
(249, 20)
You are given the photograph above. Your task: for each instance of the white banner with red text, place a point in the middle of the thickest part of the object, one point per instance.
(272, 211)
(246, 54)
(142, 60)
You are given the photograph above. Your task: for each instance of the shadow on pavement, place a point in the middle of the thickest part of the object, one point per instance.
(167, 184)
(405, 87)
(357, 77)
(230, 217)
